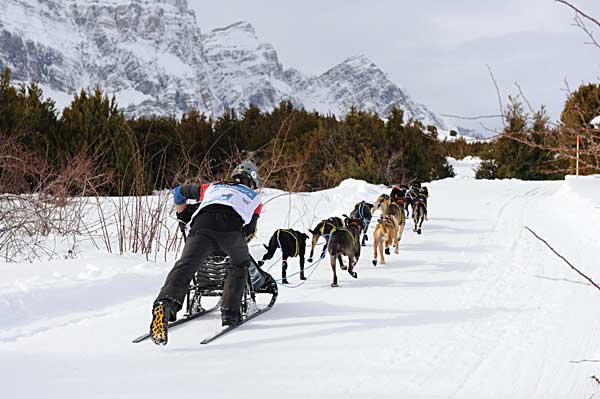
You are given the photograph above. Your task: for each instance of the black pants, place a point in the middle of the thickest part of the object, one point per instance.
(211, 232)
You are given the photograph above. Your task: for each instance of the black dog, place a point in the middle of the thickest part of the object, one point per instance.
(400, 195)
(345, 241)
(419, 213)
(323, 229)
(364, 212)
(292, 243)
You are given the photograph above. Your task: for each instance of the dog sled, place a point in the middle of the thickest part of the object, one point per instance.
(207, 285)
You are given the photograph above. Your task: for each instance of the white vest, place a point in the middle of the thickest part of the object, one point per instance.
(242, 199)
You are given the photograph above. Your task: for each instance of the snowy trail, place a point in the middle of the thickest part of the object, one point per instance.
(473, 308)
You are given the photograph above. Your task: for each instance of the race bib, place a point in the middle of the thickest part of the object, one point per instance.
(242, 199)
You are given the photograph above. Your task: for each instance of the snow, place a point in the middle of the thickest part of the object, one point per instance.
(61, 98)
(596, 121)
(129, 97)
(167, 62)
(474, 307)
(53, 31)
(465, 168)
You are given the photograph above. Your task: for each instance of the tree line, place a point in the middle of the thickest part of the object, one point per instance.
(92, 148)
(531, 147)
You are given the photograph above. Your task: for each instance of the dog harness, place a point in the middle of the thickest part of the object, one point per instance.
(325, 223)
(361, 213)
(290, 232)
(346, 230)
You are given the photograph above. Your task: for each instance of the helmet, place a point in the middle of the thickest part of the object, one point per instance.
(246, 169)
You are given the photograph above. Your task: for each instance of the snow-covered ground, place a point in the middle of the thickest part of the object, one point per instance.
(465, 168)
(475, 307)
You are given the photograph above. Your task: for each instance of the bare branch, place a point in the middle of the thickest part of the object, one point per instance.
(497, 94)
(580, 18)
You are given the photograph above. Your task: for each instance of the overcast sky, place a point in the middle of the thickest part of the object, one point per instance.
(436, 49)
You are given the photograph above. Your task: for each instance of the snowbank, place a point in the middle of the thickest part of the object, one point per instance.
(465, 168)
(577, 205)
(584, 188)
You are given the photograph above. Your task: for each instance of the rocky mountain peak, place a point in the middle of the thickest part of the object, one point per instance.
(153, 56)
(241, 27)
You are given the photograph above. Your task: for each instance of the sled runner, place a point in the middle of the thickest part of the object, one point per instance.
(208, 282)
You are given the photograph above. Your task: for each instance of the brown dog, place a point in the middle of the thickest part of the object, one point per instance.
(386, 232)
(396, 213)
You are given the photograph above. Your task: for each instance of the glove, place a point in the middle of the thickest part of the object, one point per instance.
(185, 216)
(182, 224)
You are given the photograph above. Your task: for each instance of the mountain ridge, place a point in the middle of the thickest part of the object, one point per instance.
(156, 60)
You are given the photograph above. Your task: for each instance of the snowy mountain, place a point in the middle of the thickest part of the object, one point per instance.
(153, 56)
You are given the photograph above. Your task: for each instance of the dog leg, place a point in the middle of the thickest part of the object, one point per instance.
(324, 248)
(284, 272)
(351, 267)
(302, 267)
(342, 266)
(334, 283)
(401, 229)
(389, 241)
(375, 246)
(375, 243)
(312, 248)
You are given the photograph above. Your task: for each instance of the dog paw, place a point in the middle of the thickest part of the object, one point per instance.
(261, 262)
(419, 231)
(387, 251)
(374, 263)
(285, 281)
(302, 278)
(333, 285)
(310, 260)
(354, 274)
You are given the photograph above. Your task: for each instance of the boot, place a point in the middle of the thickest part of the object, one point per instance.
(161, 313)
(233, 290)
(230, 317)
